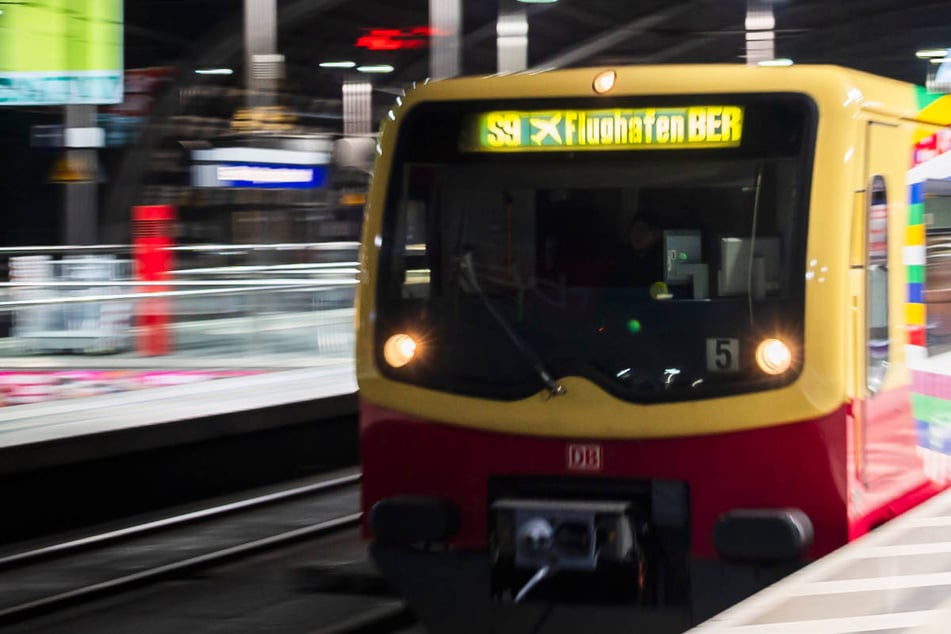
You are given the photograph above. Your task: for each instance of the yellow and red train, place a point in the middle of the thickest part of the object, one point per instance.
(648, 337)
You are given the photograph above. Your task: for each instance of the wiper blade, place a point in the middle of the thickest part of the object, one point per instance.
(467, 268)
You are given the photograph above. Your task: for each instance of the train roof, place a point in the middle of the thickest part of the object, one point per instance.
(826, 83)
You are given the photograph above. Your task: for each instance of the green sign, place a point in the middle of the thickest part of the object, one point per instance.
(60, 52)
(620, 129)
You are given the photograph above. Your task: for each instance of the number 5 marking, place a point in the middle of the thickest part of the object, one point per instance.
(723, 355)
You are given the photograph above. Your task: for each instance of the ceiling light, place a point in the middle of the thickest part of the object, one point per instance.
(341, 64)
(928, 53)
(538, 1)
(760, 20)
(779, 61)
(378, 68)
(940, 60)
(214, 71)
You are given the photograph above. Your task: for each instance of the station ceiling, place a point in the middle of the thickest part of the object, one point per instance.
(878, 36)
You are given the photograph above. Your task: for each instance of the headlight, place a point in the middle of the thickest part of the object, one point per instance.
(399, 350)
(773, 356)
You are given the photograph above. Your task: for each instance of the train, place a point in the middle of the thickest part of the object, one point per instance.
(635, 342)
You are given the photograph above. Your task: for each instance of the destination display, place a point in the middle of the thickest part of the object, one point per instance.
(616, 129)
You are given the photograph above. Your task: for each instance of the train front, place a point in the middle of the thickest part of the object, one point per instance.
(582, 353)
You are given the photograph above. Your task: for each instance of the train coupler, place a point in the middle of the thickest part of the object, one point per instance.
(590, 542)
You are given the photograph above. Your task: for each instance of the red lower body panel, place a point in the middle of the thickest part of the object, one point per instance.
(801, 465)
(887, 475)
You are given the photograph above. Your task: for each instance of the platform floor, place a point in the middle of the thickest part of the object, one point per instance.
(896, 579)
(56, 432)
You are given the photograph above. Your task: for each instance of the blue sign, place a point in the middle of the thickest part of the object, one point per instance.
(268, 176)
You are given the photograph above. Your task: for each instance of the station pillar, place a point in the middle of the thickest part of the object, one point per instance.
(81, 212)
(265, 66)
(512, 37)
(357, 108)
(445, 20)
(760, 36)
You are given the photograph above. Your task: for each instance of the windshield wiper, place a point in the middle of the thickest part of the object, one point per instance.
(467, 268)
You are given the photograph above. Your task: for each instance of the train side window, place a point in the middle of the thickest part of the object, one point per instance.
(877, 284)
(413, 254)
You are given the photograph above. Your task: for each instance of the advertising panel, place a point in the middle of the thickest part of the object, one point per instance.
(60, 52)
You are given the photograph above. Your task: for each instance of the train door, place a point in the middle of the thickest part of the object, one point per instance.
(882, 430)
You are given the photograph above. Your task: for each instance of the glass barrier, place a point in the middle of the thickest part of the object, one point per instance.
(77, 322)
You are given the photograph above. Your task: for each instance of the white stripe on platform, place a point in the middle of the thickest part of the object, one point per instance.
(900, 582)
(903, 550)
(940, 520)
(810, 582)
(843, 625)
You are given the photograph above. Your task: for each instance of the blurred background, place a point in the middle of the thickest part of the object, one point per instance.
(182, 181)
(182, 188)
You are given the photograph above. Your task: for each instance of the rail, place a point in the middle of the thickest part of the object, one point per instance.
(197, 248)
(119, 560)
(231, 287)
(347, 477)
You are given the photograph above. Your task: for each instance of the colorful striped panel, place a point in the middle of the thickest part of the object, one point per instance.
(915, 293)
(914, 262)
(931, 385)
(932, 415)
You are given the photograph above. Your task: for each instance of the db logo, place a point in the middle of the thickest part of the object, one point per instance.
(584, 457)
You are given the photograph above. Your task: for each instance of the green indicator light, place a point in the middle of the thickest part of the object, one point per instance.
(682, 256)
(633, 326)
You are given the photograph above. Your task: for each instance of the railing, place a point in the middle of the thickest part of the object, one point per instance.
(229, 306)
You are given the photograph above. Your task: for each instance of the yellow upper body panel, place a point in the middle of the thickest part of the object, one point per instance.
(845, 101)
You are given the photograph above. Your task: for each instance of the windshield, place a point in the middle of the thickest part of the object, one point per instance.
(653, 273)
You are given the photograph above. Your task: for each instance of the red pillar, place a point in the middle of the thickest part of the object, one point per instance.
(152, 261)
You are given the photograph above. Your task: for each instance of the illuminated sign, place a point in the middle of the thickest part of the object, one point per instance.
(273, 118)
(55, 52)
(619, 129)
(395, 39)
(260, 176)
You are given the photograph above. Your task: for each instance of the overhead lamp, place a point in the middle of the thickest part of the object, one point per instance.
(930, 53)
(779, 61)
(940, 60)
(340, 64)
(214, 71)
(377, 68)
(760, 20)
(538, 1)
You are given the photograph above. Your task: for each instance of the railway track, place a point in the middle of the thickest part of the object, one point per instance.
(41, 580)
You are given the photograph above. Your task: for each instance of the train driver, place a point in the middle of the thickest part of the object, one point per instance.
(640, 262)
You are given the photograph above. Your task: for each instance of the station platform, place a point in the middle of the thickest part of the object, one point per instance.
(894, 580)
(55, 433)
